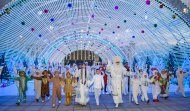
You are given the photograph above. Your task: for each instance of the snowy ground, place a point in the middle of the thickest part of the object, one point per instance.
(12, 89)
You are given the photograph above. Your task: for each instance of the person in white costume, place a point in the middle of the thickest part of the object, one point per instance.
(117, 72)
(155, 85)
(180, 77)
(37, 83)
(125, 85)
(98, 85)
(135, 88)
(82, 88)
(144, 87)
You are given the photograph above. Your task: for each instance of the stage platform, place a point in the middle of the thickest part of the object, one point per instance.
(173, 103)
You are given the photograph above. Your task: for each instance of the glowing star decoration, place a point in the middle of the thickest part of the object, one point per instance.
(116, 7)
(52, 20)
(69, 5)
(46, 11)
(32, 29)
(148, 2)
(23, 23)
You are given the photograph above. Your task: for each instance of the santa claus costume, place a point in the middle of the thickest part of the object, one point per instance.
(117, 72)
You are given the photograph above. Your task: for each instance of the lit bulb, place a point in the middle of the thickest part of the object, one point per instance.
(51, 27)
(146, 17)
(39, 12)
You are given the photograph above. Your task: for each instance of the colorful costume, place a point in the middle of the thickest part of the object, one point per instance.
(57, 82)
(68, 88)
(163, 84)
(23, 79)
(44, 83)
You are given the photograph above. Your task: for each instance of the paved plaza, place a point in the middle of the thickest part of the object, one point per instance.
(174, 103)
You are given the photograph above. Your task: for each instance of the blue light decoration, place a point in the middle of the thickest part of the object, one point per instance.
(116, 7)
(40, 35)
(133, 36)
(52, 19)
(125, 21)
(113, 32)
(155, 25)
(23, 23)
(69, 5)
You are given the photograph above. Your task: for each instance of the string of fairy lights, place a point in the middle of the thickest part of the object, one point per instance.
(49, 27)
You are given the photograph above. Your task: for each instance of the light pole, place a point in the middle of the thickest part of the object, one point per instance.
(131, 47)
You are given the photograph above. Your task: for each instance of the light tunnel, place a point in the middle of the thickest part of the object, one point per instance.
(66, 45)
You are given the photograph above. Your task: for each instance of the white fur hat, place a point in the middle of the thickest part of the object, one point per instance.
(117, 59)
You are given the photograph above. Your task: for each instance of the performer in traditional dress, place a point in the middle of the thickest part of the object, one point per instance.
(117, 72)
(98, 85)
(180, 77)
(82, 88)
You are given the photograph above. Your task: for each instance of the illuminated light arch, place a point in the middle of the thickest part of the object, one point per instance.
(53, 50)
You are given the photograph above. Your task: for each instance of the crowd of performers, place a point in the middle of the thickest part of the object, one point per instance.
(110, 78)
